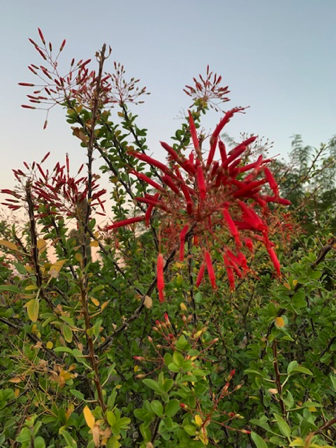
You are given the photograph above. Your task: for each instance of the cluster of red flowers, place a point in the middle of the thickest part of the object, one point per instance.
(79, 83)
(208, 90)
(57, 190)
(221, 203)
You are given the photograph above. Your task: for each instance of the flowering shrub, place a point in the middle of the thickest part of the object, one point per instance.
(128, 345)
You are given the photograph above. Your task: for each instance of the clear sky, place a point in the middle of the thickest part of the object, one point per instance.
(278, 57)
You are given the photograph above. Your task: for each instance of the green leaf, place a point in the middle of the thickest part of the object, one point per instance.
(302, 369)
(259, 442)
(298, 300)
(63, 350)
(168, 384)
(172, 407)
(168, 359)
(333, 381)
(111, 418)
(20, 268)
(291, 366)
(154, 385)
(253, 372)
(39, 442)
(283, 426)
(173, 368)
(112, 443)
(77, 394)
(24, 436)
(69, 440)
(157, 407)
(10, 288)
(190, 429)
(67, 333)
(178, 359)
(145, 432)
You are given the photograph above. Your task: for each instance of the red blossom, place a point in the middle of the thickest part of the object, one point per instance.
(211, 201)
(160, 278)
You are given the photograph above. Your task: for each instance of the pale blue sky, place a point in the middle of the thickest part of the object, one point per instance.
(278, 57)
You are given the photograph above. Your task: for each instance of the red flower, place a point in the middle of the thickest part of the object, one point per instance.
(211, 201)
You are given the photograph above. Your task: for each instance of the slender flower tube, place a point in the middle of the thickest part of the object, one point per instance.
(160, 278)
(125, 222)
(210, 269)
(182, 241)
(201, 182)
(200, 275)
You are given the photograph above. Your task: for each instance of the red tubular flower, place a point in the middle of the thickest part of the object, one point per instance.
(249, 244)
(147, 180)
(193, 132)
(182, 241)
(271, 181)
(233, 229)
(274, 259)
(222, 151)
(41, 36)
(200, 275)
(160, 278)
(170, 183)
(125, 222)
(149, 160)
(201, 182)
(210, 269)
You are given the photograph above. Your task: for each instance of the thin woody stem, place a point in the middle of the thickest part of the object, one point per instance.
(83, 280)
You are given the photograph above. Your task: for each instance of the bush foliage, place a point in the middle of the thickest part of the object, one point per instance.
(166, 321)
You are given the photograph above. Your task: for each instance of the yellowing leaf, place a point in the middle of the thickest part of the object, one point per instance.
(148, 302)
(31, 288)
(183, 307)
(104, 305)
(178, 265)
(198, 334)
(53, 273)
(136, 368)
(89, 418)
(198, 420)
(33, 307)
(279, 322)
(294, 282)
(69, 411)
(78, 257)
(297, 442)
(49, 345)
(94, 243)
(16, 379)
(95, 301)
(58, 265)
(8, 244)
(95, 435)
(16, 392)
(273, 391)
(41, 245)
